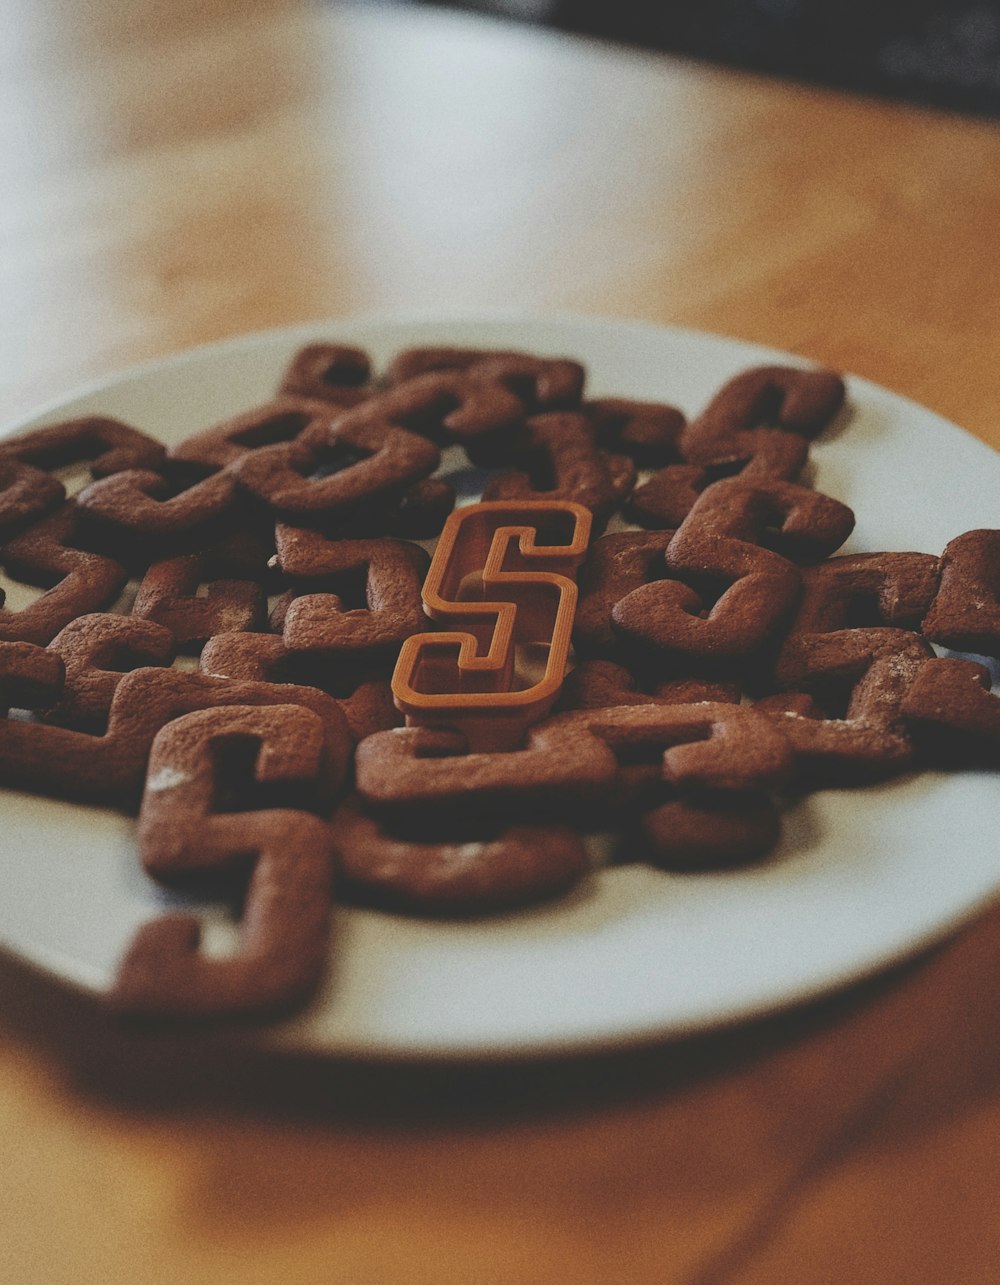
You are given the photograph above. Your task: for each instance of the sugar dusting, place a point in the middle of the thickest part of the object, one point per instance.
(167, 779)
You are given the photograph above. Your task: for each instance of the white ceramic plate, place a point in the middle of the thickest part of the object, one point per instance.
(862, 877)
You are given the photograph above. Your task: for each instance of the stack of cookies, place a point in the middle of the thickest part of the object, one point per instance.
(236, 639)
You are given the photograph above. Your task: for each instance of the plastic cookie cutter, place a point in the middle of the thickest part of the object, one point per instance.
(502, 577)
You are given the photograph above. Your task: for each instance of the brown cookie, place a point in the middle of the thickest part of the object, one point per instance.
(853, 610)
(477, 870)
(601, 684)
(327, 477)
(965, 613)
(188, 826)
(286, 419)
(380, 579)
(425, 772)
(76, 582)
(647, 432)
(447, 405)
(109, 768)
(335, 373)
(481, 405)
(559, 459)
(26, 494)
(159, 516)
(734, 519)
(761, 421)
(168, 595)
(870, 742)
(684, 835)
(669, 495)
(953, 714)
(110, 445)
(97, 651)
(615, 565)
(31, 677)
(572, 761)
(540, 383)
(365, 698)
(739, 593)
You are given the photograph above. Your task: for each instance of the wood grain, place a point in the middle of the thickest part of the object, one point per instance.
(176, 172)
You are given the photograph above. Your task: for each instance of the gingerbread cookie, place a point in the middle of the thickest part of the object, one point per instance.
(188, 827)
(561, 460)
(474, 870)
(965, 613)
(31, 677)
(109, 767)
(336, 373)
(950, 709)
(692, 836)
(648, 432)
(97, 651)
(158, 516)
(828, 643)
(387, 576)
(26, 493)
(110, 446)
(761, 421)
(749, 589)
(364, 697)
(76, 582)
(286, 419)
(168, 595)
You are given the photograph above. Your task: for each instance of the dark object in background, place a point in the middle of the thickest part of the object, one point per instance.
(940, 52)
(934, 51)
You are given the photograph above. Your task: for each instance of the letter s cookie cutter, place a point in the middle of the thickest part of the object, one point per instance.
(502, 577)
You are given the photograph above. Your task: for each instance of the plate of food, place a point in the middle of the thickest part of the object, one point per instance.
(763, 766)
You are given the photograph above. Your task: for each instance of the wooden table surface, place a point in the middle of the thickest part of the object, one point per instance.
(175, 171)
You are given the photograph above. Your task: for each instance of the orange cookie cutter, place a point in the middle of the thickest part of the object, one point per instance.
(502, 576)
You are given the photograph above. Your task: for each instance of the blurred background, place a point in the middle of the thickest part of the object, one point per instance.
(944, 53)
